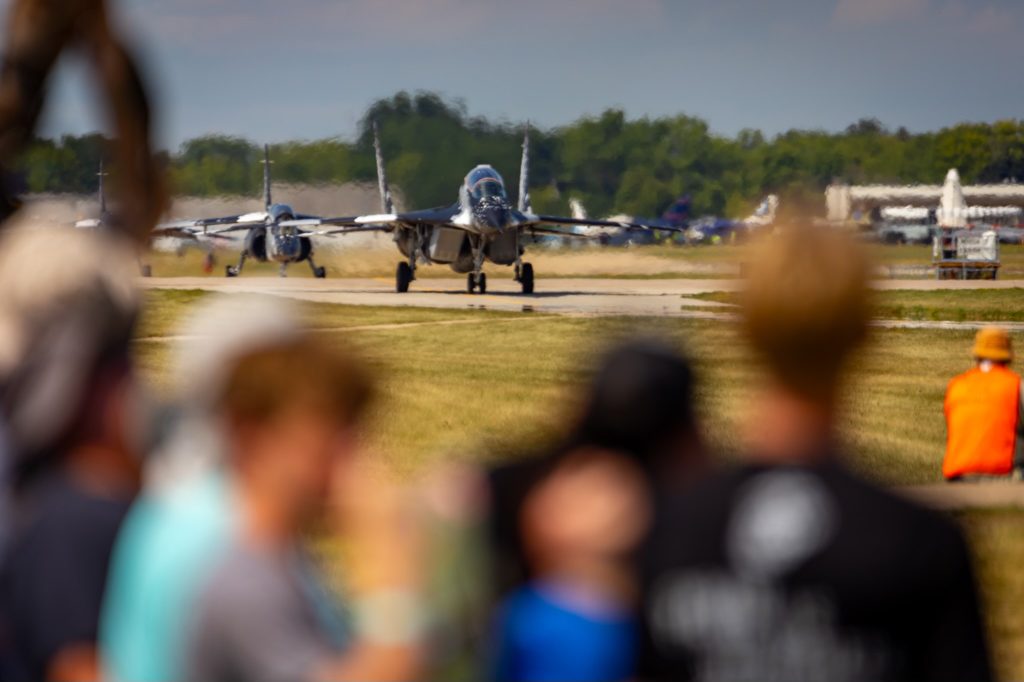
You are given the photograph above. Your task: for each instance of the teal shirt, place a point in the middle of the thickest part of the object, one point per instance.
(164, 552)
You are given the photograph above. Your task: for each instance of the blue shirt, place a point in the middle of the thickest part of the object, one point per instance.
(545, 633)
(166, 548)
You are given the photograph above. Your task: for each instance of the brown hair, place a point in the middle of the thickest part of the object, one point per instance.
(303, 372)
(805, 306)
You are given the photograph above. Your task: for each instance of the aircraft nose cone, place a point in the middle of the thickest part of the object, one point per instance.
(494, 217)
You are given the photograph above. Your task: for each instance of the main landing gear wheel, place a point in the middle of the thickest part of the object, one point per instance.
(319, 272)
(230, 271)
(147, 271)
(471, 283)
(403, 277)
(526, 278)
(481, 283)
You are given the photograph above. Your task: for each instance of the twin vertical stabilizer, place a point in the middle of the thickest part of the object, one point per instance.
(267, 198)
(102, 193)
(386, 203)
(524, 174)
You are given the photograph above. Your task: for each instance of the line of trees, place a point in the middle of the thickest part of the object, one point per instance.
(613, 164)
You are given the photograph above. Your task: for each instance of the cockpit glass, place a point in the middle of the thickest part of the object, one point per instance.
(485, 182)
(281, 212)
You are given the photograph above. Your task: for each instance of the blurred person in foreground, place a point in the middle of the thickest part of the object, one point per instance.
(789, 567)
(573, 520)
(984, 413)
(75, 423)
(291, 412)
(185, 515)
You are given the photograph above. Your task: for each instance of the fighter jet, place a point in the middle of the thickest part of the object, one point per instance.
(274, 234)
(481, 226)
(183, 231)
(675, 219)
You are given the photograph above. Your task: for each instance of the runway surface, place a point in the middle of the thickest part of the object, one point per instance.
(556, 296)
(580, 296)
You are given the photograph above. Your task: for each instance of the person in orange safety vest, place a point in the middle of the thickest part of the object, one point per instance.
(984, 421)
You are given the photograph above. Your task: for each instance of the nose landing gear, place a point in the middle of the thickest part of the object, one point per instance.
(476, 282)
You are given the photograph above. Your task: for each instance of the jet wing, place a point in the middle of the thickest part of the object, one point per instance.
(373, 223)
(231, 223)
(176, 231)
(183, 229)
(186, 229)
(431, 216)
(537, 229)
(383, 222)
(530, 219)
(358, 228)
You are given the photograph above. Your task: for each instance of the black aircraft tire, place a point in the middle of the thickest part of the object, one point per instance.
(482, 283)
(526, 278)
(147, 270)
(229, 271)
(320, 272)
(403, 277)
(470, 283)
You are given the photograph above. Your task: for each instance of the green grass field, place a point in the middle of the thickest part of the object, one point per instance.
(471, 384)
(446, 383)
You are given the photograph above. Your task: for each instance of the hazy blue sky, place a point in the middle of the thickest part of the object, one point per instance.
(283, 69)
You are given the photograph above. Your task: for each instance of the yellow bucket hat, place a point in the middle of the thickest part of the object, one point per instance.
(993, 343)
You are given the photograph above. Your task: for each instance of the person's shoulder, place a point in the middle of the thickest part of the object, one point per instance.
(963, 376)
(862, 505)
(241, 580)
(853, 487)
(693, 518)
(522, 603)
(191, 521)
(881, 512)
(227, 579)
(57, 512)
(712, 492)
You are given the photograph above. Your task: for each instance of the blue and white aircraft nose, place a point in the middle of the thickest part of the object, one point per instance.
(494, 218)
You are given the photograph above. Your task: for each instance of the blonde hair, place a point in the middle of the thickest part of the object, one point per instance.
(806, 306)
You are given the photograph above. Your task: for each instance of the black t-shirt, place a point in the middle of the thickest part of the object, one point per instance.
(53, 574)
(793, 574)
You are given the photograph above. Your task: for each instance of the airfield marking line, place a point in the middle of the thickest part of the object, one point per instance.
(938, 325)
(438, 323)
(170, 338)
